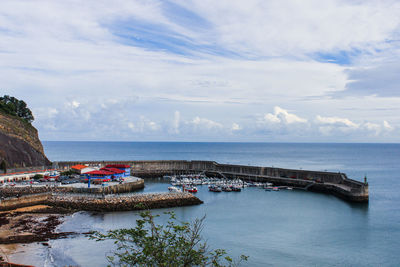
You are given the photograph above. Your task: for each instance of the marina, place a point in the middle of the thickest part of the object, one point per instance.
(215, 184)
(335, 183)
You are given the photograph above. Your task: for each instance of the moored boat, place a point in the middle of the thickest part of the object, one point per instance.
(236, 188)
(214, 188)
(174, 189)
(190, 189)
(226, 189)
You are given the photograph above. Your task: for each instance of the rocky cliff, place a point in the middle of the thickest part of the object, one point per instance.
(19, 143)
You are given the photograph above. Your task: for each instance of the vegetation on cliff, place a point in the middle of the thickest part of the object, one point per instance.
(14, 107)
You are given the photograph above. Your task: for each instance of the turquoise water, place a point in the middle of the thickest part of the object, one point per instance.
(285, 228)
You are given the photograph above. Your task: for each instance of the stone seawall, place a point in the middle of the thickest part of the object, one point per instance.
(24, 201)
(135, 202)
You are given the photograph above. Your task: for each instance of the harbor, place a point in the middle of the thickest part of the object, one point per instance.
(267, 225)
(114, 186)
(335, 183)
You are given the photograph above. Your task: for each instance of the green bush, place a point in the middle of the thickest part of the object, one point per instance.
(67, 173)
(173, 244)
(37, 177)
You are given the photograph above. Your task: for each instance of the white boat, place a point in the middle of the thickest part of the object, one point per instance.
(174, 189)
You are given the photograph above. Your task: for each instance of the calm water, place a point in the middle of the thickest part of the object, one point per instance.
(285, 228)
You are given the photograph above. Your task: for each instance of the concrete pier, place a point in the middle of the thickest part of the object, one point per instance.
(335, 183)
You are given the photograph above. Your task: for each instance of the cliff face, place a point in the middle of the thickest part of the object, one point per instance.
(19, 143)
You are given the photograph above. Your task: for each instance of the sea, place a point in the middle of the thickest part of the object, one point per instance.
(284, 228)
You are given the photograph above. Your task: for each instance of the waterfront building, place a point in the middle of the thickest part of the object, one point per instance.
(124, 167)
(117, 172)
(99, 174)
(81, 169)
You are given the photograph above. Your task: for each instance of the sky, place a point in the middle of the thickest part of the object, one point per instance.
(201, 70)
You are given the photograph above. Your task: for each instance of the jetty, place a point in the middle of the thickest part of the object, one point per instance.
(335, 183)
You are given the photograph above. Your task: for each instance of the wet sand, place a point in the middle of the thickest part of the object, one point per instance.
(29, 225)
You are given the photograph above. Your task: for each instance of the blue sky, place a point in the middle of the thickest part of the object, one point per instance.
(302, 71)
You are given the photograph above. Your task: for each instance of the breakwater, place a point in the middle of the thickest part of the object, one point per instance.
(335, 183)
(93, 203)
(133, 202)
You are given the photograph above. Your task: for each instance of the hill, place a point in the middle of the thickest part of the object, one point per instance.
(19, 142)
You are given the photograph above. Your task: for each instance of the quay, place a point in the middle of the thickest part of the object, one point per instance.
(335, 183)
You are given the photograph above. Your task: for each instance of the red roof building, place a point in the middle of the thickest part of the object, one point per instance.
(118, 166)
(114, 170)
(79, 167)
(100, 173)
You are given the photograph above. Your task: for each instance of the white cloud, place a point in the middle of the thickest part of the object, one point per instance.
(147, 125)
(72, 104)
(336, 121)
(176, 122)
(131, 125)
(236, 127)
(387, 126)
(373, 127)
(275, 28)
(281, 115)
(205, 123)
(87, 66)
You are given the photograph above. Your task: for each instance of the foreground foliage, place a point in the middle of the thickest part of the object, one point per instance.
(173, 244)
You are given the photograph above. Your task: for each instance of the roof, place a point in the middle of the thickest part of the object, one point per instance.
(79, 167)
(118, 166)
(101, 172)
(114, 170)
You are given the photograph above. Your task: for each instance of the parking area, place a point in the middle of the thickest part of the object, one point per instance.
(67, 181)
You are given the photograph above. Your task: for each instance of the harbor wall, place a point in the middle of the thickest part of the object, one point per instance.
(24, 201)
(114, 203)
(336, 183)
(133, 202)
(161, 167)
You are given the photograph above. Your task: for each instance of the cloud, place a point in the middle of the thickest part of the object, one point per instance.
(281, 115)
(336, 121)
(236, 127)
(264, 28)
(203, 123)
(176, 122)
(117, 71)
(380, 80)
(336, 125)
(387, 126)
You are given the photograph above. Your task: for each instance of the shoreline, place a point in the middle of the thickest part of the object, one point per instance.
(33, 224)
(38, 222)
